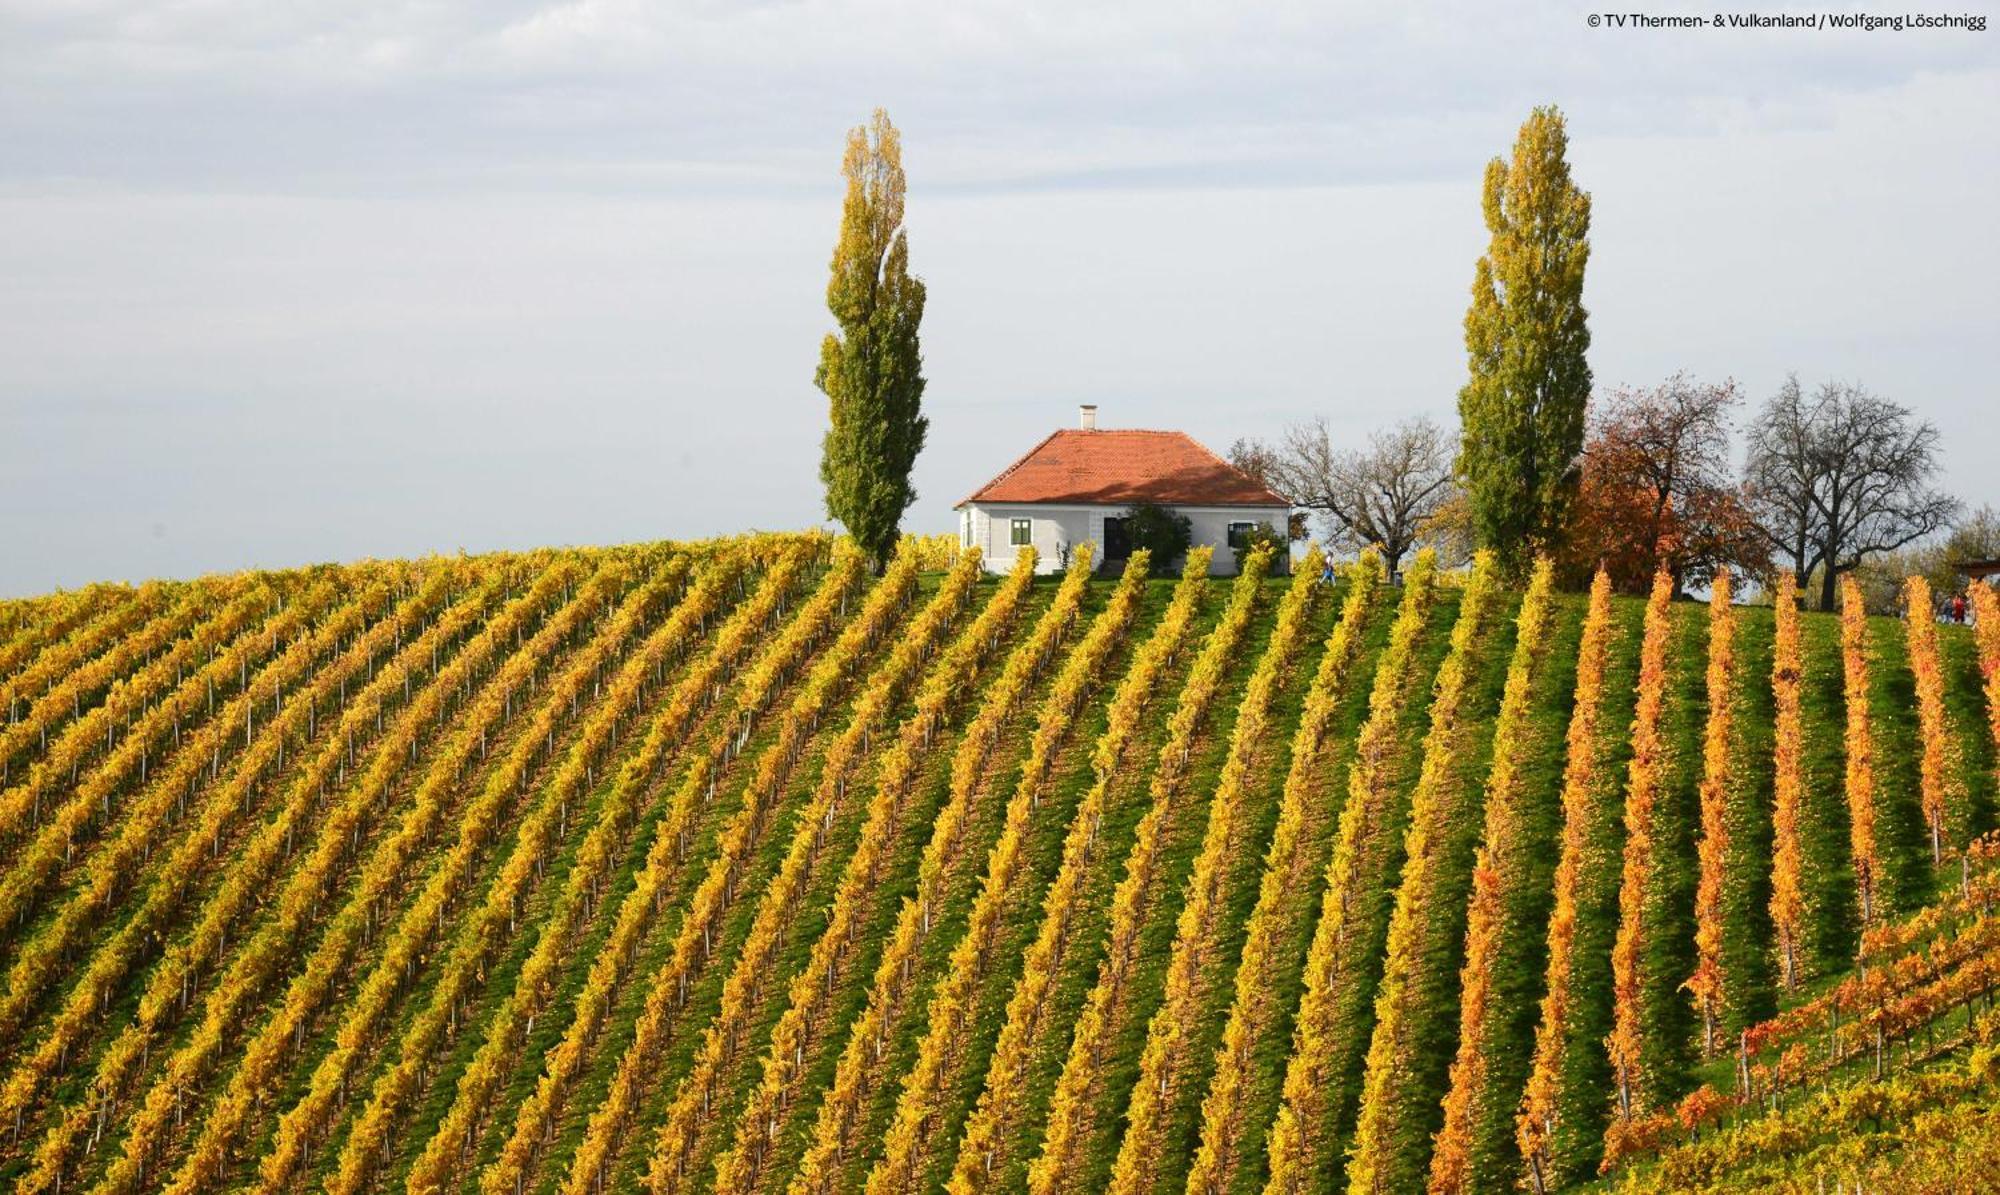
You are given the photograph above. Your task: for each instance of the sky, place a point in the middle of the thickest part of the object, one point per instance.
(282, 283)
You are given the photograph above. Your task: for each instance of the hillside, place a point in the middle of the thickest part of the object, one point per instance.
(729, 866)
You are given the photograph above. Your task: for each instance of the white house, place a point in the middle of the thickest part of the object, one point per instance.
(1077, 485)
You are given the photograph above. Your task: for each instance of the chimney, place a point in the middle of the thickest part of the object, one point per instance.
(1089, 412)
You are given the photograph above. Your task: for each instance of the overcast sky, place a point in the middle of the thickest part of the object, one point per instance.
(316, 280)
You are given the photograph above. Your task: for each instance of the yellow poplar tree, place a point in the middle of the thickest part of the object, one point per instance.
(1527, 338)
(872, 368)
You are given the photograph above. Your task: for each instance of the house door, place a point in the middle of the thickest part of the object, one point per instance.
(1117, 544)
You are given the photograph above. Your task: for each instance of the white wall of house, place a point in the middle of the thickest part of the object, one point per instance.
(990, 527)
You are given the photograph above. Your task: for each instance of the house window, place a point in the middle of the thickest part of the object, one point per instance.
(1117, 538)
(1022, 532)
(1239, 534)
(965, 529)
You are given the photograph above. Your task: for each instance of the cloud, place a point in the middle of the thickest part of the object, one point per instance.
(588, 94)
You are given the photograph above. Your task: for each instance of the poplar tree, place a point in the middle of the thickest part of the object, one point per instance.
(871, 369)
(1526, 338)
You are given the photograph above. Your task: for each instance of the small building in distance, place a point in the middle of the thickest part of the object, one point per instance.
(1980, 570)
(1077, 486)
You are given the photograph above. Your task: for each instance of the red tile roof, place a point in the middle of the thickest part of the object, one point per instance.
(1121, 466)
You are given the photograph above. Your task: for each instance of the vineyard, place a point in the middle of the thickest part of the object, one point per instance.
(733, 866)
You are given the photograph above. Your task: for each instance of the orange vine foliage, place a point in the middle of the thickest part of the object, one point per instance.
(1712, 854)
(1860, 746)
(1224, 1114)
(1929, 672)
(1541, 1102)
(1628, 1031)
(1330, 1027)
(1390, 1151)
(1787, 891)
(1496, 879)
(1986, 619)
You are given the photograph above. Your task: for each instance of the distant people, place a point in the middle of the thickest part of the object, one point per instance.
(1325, 571)
(1958, 608)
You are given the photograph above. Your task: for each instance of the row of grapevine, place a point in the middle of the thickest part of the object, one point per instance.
(1831, 1130)
(180, 638)
(1071, 1121)
(1788, 901)
(1859, 739)
(1861, 1021)
(1986, 621)
(1709, 985)
(399, 1085)
(1224, 1109)
(933, 553)
(1405, 1069)
(536, 982)
(1929, 672)
(170, 886)
(52, 688)
(993, 1127)
(1173, 1032)
(1632, 1018)
(78, 711)
(675, 1148)
(480, 933)
(424, 914)
(309, 658)
(1582, 869)
(172, 987)
(1979, 885)
(564, 1065)
(173, 983)
(1328, 1031)
(39, 624)
(941, 1050)
(1468, 1152)
(54, 844)
(370, 895)
(591, 1167)
(493, 1062)
(1898, 957)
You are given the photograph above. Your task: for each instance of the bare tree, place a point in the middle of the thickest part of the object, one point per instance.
(1840, 476)
(1256, 458)
(1259, 460)
(1381, 495)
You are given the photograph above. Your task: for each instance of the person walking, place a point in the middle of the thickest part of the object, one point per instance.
(1958, 609)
